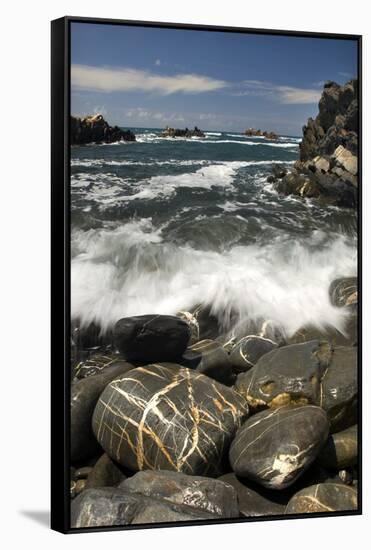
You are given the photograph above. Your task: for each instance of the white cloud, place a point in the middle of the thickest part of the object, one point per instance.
(98, 79)
(281, 94)
(158, 62)
(148, 115)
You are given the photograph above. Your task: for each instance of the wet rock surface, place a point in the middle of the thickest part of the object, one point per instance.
(275, 447)
(105, 473)
(344, 291)
(323, 497)
(203, 493)
(163, 416)
(247, 351)
(287, 375)
(210, 358)
(84, 396)
(151, 337)
(341, 449)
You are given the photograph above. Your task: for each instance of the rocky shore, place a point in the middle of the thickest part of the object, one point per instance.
(185, 133)
(168, 424)
(253, 132)
(94, 129)
(328, 165)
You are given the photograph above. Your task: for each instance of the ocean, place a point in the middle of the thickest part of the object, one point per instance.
(168, 224)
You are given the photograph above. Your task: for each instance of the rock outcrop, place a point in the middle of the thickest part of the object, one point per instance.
(253, 132)
(178, 132)
(328, 165)
(94, 129)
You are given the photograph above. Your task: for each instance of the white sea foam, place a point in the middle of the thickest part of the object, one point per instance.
(131, 271)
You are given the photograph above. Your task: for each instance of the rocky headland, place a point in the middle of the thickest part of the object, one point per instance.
(94, 129)
(185, 133)
(328, 164)
(253, 132)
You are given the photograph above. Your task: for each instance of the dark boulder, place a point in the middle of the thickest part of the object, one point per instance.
(339, 389)
(150, 338)
(96, 364)
(94, 129)
(168, 417)
(247, 351)
(203, 493)
(341, 450)
(255, 500)
(275, 447)
(210, 358)
(105, 473)
(323, 497)
(336, 338)
(287, 375)
(110, 506)
(84, 396)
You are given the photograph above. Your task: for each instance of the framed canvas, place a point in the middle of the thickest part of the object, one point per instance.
(206, 230)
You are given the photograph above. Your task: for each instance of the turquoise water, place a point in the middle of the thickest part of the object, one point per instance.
(165, 224)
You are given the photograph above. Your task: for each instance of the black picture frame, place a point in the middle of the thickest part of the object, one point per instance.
(60, 266)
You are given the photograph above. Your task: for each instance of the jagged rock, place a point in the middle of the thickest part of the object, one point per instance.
(346, 160)
(323, 497)
(84, 396)
(287, 375)
(110, 506)
(177, 132)
(94, 129)
(150, 338)
(164, 416)
(275, 447)
(341, 450)
(259, 133)
(203, 493)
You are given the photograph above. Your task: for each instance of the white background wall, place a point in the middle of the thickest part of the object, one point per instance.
(24, 271)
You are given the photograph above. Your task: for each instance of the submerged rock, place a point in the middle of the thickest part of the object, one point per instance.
(287, 375)
(275, 447)
(110, 506)
(203, 493)
(247, 351)
(339, 389)
(94, 129)
(341, 450)
(84, 396)
(344, 291)
(164, 416)
(323, 497)
(150, 338)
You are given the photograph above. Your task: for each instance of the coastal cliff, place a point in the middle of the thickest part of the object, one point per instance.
(328, 165)
(94, 129)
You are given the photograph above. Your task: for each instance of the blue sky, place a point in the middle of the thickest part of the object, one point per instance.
(150, 77)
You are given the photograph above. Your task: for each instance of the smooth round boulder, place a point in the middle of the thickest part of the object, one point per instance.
(341, 450)
(344, 292)
(167, 417)
(275, 447)
(339, 389)
(254, 500)
(210, 358)
(247, 351)
(148, 338)
(105, 473)
(323, 497)
(110, 506)
(287, 375)
(204, 493)
(84, 396)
